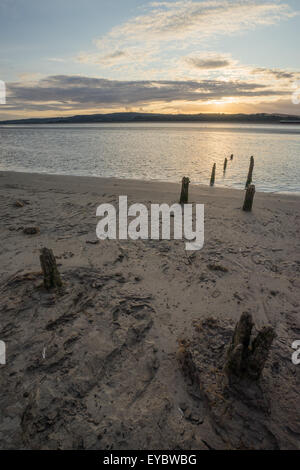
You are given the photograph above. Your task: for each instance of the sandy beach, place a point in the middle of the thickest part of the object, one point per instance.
(96, 366)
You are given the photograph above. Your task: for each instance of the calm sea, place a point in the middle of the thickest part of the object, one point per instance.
(155, 151)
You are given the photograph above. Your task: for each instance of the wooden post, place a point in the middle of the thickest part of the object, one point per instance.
(231, 156)
(245, 359)
(259, 352)
(213, 175)
(184, 195)
(225, 165)
(249, 178)
(48, 263)
(238, 350)
(249, 196)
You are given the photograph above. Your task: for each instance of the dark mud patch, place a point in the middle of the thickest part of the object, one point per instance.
(245, 414)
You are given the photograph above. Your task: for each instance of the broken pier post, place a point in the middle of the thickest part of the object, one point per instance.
(238, 350)
(246, 359)
(231, 156)
(249, 196)
(250, 172)
(213, 175)
(184, 195)
(52, 277)
(225, 165)
(259, 352)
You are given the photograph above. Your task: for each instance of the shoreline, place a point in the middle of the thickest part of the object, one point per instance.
(129, 117)
(124, 182)
(97, 365)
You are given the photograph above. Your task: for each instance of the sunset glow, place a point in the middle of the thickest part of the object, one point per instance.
(166, 57)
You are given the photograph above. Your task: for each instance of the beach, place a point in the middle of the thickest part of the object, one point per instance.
(96, 366)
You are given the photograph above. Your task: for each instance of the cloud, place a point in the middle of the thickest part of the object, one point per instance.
(78, 92)
(209, 61)
(181, 19)
(56, 59)
(111, 57)
(114, 57)
(176, 26)
(108, 60)
(29, 77)
(276, 73)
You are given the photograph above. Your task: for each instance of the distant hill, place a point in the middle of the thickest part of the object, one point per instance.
(147, 117)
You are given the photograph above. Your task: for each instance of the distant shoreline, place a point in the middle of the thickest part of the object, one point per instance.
(261, 118)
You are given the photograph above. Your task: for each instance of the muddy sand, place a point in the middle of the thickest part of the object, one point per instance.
(97, 365)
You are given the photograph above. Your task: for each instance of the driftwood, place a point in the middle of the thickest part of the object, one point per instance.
(48, 263)
(250, 172)
(213, 175)
(184, 195)
(249, 196)
(245, 360)
(19, 204)
(225, 165)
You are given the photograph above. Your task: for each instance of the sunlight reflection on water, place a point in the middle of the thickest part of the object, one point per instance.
(164, 152)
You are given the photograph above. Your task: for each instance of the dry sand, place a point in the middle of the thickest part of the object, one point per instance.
(96, 366)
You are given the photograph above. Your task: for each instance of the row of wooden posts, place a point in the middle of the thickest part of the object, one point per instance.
(250, 188)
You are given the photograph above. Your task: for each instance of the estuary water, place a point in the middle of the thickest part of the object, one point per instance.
(158, 151)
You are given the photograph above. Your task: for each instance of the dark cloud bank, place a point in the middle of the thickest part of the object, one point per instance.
(55, 92)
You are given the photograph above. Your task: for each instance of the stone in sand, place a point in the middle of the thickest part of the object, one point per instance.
(19, 204)
(31, 230)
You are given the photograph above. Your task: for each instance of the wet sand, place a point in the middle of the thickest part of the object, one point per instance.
(96, 366)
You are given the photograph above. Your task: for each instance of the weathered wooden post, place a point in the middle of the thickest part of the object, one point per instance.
(231, 156)
(238, 350)
(249, 196)
(259, 352)
(184, 195)
(225, 165)
(213, 175)
(48, 263)
(249, 178)
(245, 359)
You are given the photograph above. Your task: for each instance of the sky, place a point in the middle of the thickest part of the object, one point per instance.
(68, 57)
